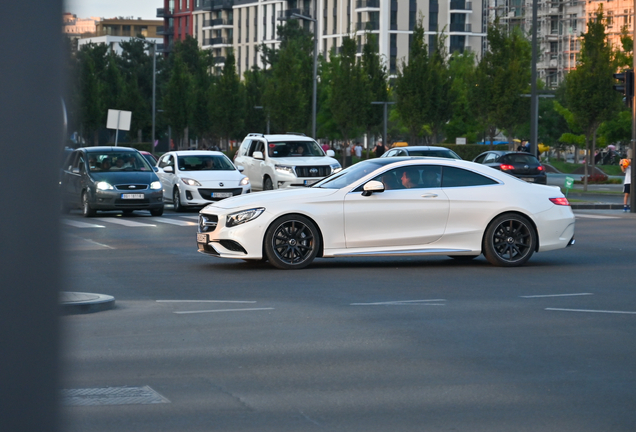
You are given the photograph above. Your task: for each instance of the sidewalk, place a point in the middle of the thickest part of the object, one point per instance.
(598, 196)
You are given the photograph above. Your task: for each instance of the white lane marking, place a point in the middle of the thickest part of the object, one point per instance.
(125, 222)
(591, 311)
(171, 221)
(190, 217)
(99, 244)
(403, 302)
(204, 301)
(78, 224)
(224, 310)
(594, 216)
(556, 295)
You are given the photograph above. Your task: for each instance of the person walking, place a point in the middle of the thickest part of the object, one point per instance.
(358, 150)
(348, 148)
(379, 149)
(626, 167)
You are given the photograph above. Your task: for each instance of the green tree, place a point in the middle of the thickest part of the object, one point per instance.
(178, 99)
(377, 88)
(439, 84)
(461, 124)
(255, 118)
(588, 93)
(91, 104)
(349, 98)
(227, 102)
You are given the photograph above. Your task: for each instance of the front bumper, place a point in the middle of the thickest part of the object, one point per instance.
(116, 200)
(243, 241)
(199, 196)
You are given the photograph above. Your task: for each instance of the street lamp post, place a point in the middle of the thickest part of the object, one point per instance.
(261, 107)
(385, 118)
(153, 53)
(315, 77)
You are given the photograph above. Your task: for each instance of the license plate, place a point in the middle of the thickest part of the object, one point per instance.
(528, 179)
(310, 182)
(202, 238)
(132, 196)
(222, 194)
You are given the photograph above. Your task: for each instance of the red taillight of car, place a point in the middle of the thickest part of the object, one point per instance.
(506, 167)
(560, 201)
(540, 168)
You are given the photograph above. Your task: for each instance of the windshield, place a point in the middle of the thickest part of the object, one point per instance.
(294, 149)
(112, 161)
(205, 163)
(353, 173)
(449, 154)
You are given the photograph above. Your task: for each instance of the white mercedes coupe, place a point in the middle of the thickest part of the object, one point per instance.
(392, 207)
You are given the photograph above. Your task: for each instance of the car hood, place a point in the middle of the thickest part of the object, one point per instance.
(305, 161)
(263, 199)
(204, 176)
(125, 177)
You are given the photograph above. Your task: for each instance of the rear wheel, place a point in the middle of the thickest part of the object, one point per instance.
(292, 242)
(510, 241)
(176, 200)
(267, 184)
(87, 210)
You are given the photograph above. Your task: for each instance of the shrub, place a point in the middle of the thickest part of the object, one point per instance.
(595, 178)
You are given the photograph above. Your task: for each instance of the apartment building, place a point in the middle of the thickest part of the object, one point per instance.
(177, 21)
(72, 25)
(244, 25)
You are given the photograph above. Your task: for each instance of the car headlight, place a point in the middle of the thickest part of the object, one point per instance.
(243, 216)
(244, 181)
(285, 169)
(102, 185)
(190, 182)
(335, 168)
(155, 185)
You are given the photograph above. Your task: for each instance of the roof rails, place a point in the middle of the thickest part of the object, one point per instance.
(256, 134)
(295, 133)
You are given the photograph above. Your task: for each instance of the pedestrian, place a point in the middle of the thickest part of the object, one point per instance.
(379, 149)
(626, 167)
(325, 146)
(348, 148)
(358, 150)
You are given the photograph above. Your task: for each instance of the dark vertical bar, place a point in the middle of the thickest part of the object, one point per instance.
(534, 100)
(31, 125)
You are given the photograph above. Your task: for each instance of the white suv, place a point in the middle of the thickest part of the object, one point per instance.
(279, 161)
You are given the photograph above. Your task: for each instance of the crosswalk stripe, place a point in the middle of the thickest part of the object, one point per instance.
(78, 224)
(125, 222)
(191, 217)
(171, 221)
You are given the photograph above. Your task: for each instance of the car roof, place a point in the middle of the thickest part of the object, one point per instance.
(415, 160)
(282, 137)
(101, 149)
(196, 153)
(423, 148)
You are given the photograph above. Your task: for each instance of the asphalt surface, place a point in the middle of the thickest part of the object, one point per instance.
(404, 344)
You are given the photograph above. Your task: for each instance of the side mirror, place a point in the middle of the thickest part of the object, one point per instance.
(371, 187)
(331, 153)
(168, 169)
(258, 155)
(240, 168)
(155, 169)
(76, 170)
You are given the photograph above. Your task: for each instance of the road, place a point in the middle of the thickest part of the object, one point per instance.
(368, 344)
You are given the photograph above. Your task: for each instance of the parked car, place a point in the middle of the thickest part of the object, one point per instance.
(110, 178)
(450, 207)
(152, 160)
(279, 161)
(197, 178)
(431, 151)
(518, 164)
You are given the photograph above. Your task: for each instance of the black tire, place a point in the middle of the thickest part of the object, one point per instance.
(127, 212)
(157, 212)
(267, 184)
(176, 200)
(509, 241)
(87, 210)
(292, 242)
(463, 257)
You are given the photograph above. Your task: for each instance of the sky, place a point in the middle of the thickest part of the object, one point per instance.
(146, 9)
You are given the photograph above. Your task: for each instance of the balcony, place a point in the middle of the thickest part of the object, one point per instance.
(160, 30)
(460, 27)
(368, 26)
(367, 4)
(160, 13)
(217, 41)
(461, 5)
(222, 4)
(219, 61)
(287, 14)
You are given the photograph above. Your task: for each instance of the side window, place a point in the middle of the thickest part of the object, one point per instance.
(412, 177)
(72, 161)
(401, 153)
(257, 146)
(481, 158)
(165, 161)
(244, 147)
(490, 157)
(391, 153)
(458, 177)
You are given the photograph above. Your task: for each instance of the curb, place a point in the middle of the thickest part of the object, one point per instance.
(81, 303)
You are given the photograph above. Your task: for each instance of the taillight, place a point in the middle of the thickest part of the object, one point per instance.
(540, 168)
(560, 201)
(506, 167)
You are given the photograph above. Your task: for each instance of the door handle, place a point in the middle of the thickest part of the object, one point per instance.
(429, 195)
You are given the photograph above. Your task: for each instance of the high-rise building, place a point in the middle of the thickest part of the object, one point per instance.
(243, 25)
(177, 21)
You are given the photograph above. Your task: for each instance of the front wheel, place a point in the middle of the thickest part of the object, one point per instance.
(176, 200)
(157, 212)
(510, 241)
(267, 184)
(292, 242)
(87, 210)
